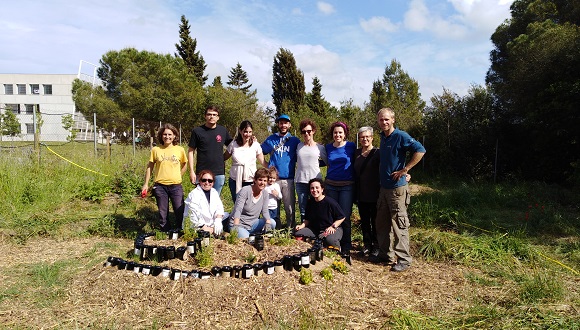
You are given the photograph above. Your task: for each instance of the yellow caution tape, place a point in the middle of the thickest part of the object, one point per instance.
(75, 164)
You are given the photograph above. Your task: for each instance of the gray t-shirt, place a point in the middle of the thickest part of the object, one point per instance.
(249, 210)
(307, 162)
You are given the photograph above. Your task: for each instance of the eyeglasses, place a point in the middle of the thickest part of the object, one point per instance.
(206, 180)
(365, 137)
(212, 114)
(306, 131)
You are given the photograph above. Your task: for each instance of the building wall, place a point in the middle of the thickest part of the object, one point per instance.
(52, 106)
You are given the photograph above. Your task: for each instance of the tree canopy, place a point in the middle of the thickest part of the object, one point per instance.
(398, 91)
(535, 77)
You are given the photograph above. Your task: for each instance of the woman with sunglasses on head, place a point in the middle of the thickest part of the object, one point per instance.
(340, 176)
(309, 156)
(244, 151)
(203, 206)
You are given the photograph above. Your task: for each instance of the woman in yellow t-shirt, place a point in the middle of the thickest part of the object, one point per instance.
(168, 163)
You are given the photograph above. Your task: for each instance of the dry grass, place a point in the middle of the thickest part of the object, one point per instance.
(107, 297)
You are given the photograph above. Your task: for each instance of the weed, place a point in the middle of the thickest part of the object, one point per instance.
(404, 319)
(127, 183)
(281, 238)
(250, 258)
(339, 266)
(305, 276)
(539, 287)
(326, 274)
(189, 233)
(94, 191)
(104, 226)
(331, 254)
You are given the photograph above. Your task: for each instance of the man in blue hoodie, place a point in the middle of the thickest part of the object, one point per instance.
(281, 147)
(392, 222)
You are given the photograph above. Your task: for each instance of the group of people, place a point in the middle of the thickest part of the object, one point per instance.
(375, 179)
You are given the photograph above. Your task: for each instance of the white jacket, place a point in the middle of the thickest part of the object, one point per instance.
(199, 211)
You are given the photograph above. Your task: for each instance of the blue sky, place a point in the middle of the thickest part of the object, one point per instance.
(346, 44)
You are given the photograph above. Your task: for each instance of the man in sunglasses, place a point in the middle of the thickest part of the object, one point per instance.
(281, 147)
(209, 140)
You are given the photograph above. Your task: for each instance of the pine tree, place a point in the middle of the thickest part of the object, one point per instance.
(239, 79)
(186, 50)
(288, 89)
(398, 91)
(315, 100)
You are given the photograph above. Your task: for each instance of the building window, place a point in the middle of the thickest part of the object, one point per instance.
(47, 89)
(34, 88)
(15, 108)
(29, 109)
(8, 89)
(29, 128)
(21, 89)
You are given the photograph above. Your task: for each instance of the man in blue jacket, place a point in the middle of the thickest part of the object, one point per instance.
(281, 147)
(392, 222)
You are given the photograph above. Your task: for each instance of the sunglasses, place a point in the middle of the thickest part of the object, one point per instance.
(306, 131)
(206, 180)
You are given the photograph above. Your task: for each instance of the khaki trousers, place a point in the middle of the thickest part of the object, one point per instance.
(393, 224)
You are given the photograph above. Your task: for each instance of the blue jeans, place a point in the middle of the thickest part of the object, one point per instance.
(219, 182)
(274, 214)
(163, 194)
(232, 185)
(344, 196)
(303, 192)
(256, 228)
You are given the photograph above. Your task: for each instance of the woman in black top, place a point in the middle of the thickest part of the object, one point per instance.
(323, 216)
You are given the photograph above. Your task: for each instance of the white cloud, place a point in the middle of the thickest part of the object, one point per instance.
(417, 17)
(378, 24)
(325, 7)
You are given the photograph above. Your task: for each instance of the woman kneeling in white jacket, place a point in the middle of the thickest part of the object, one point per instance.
(203, 206)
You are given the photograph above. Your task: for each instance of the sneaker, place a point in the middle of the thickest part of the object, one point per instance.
(399, 267)
(375, 252)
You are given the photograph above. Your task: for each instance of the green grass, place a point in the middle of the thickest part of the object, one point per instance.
(519, 238)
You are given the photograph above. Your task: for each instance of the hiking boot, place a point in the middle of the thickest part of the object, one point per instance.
(364, 252)
(379, 260)
(399, 267)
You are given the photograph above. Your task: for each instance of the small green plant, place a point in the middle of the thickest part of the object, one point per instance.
(331, 254)
(232, 238)
(250, 258)
(204, 257)
(326, 274)
(188, 232)
(305, 276)
(159, 235)
(339, 266)
(281, 238)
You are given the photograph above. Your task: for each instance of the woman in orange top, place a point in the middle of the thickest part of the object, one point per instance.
(168, 163)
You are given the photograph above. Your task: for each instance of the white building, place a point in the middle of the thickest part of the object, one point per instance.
(51, 93)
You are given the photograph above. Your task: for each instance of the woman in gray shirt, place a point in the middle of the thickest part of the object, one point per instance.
(250, 202)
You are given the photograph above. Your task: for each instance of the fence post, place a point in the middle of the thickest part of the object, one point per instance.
(36, 133)
(95, 132)
(133, 120)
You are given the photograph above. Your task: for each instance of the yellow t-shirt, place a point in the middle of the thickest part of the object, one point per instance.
(168, 163)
